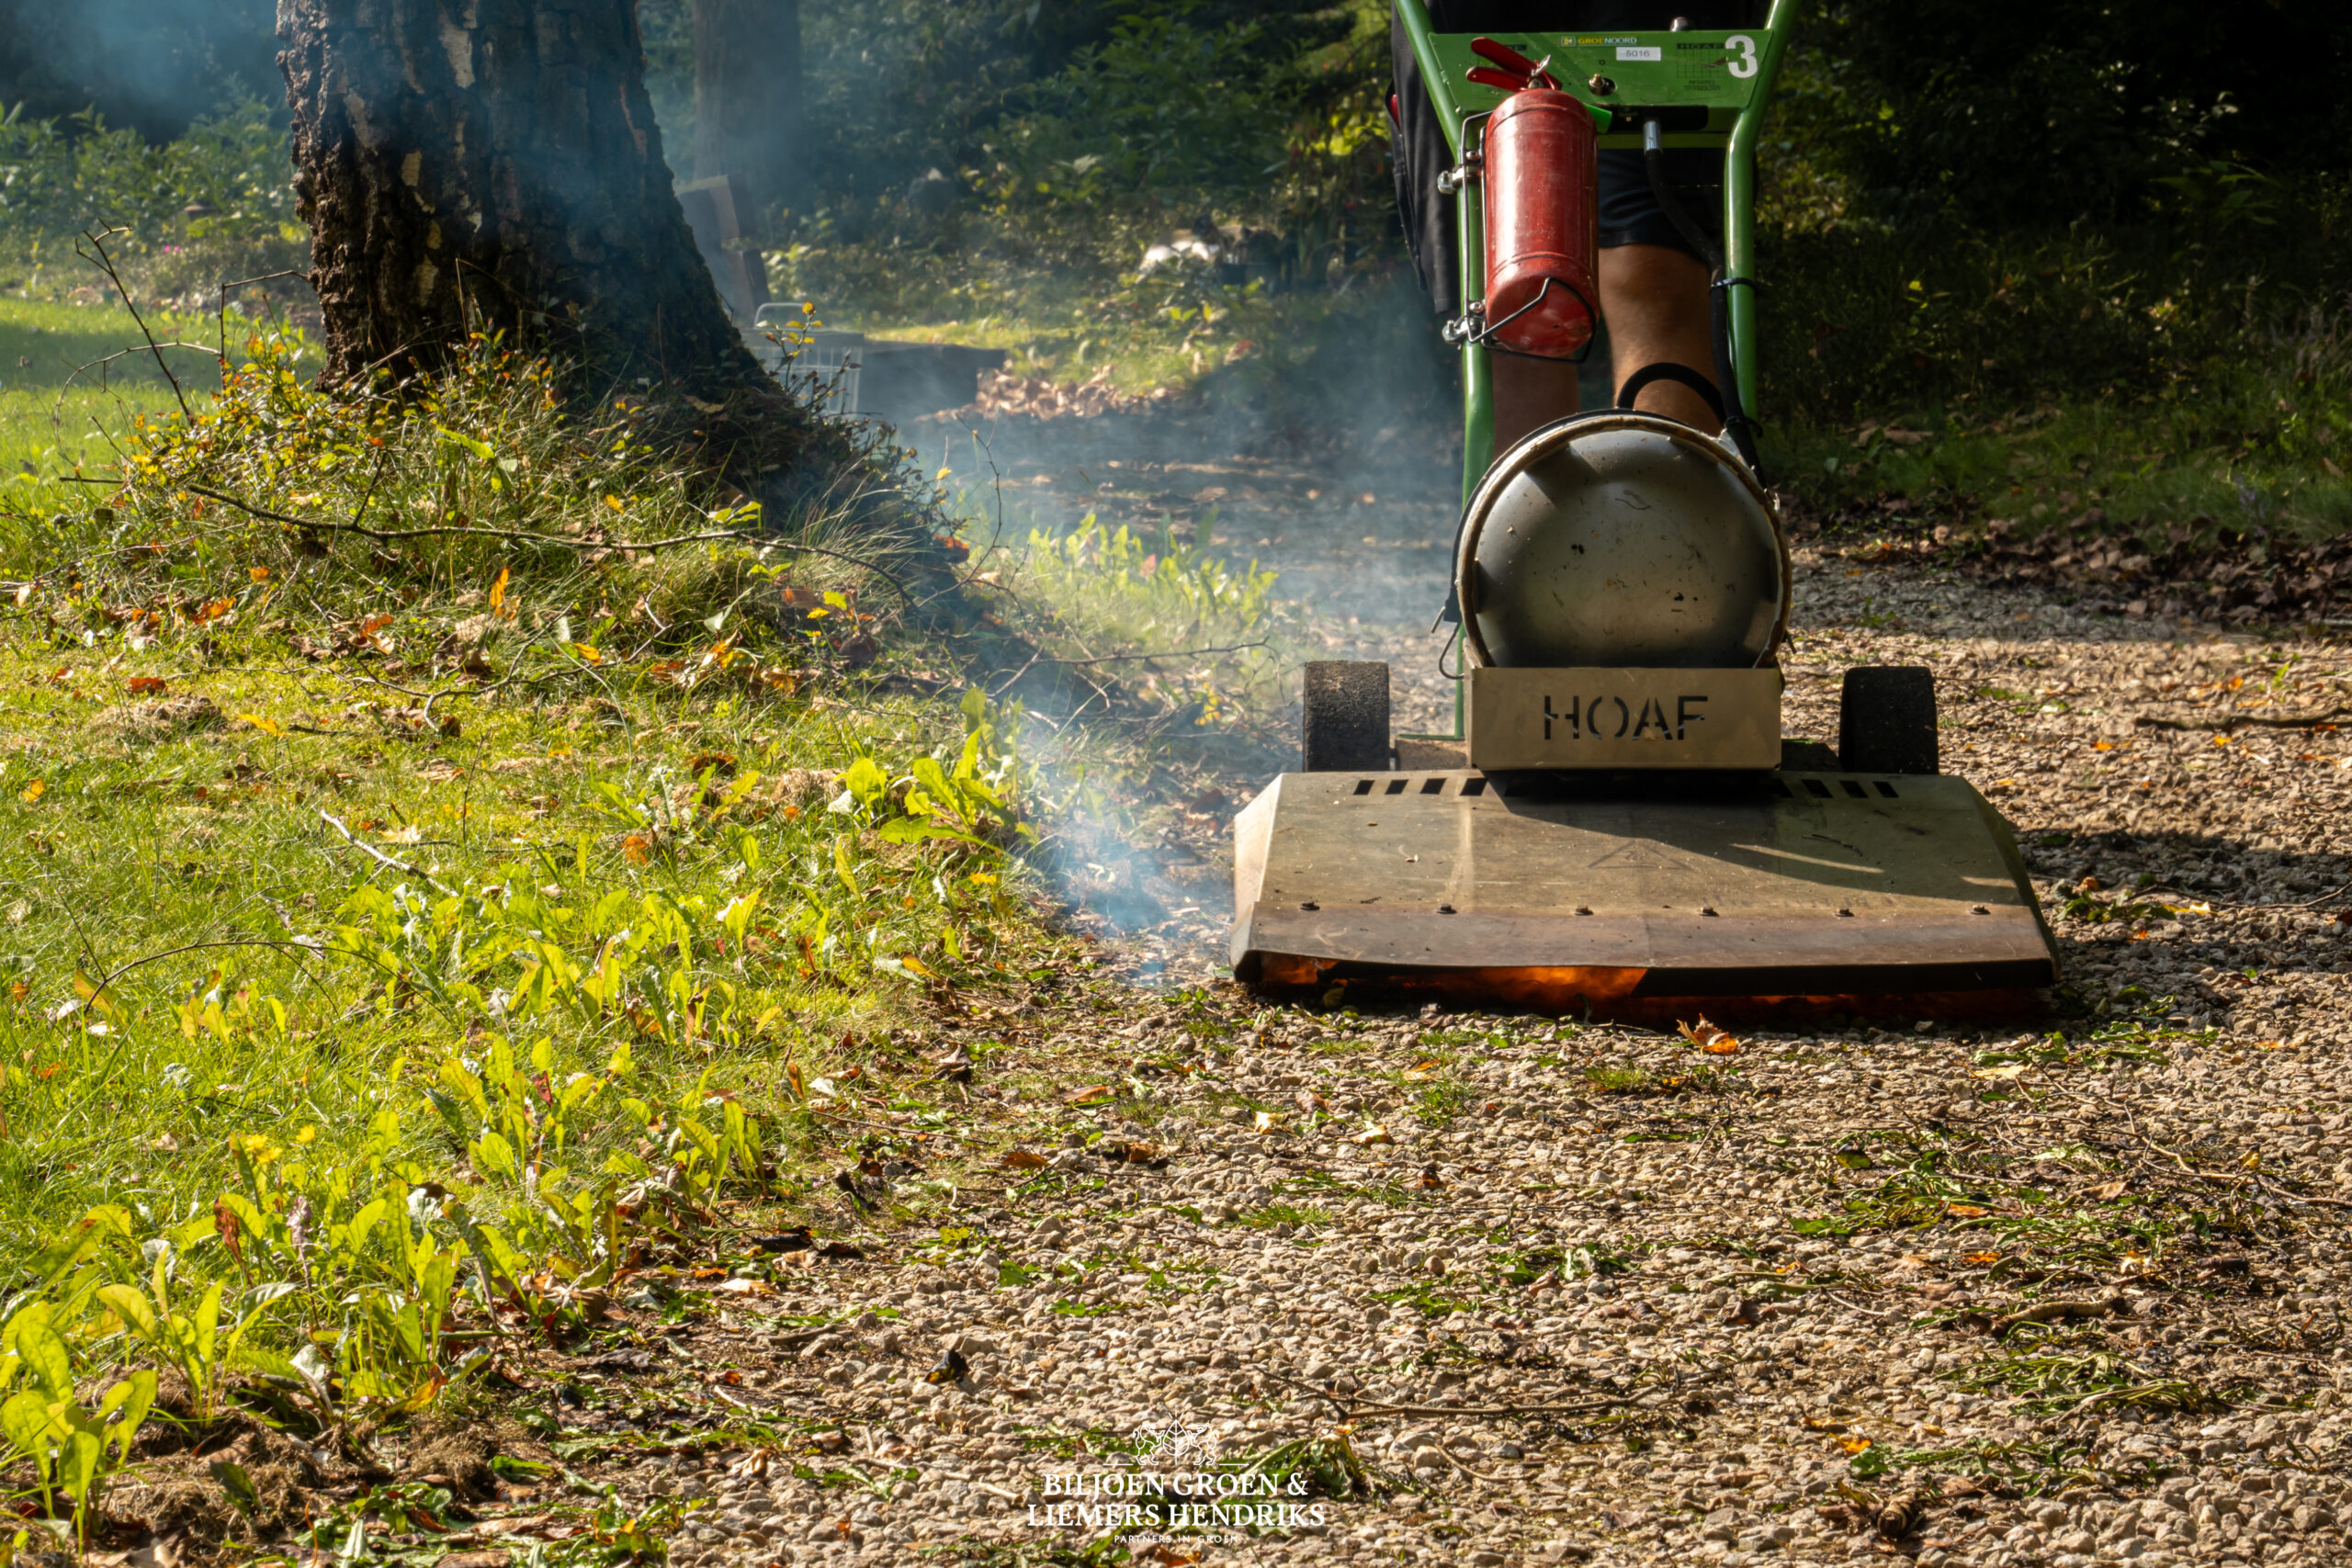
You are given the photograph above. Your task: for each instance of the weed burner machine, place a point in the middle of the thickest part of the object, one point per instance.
(1618, 825)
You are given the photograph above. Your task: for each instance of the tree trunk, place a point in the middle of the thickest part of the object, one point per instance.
(492, 165)
(748, 94)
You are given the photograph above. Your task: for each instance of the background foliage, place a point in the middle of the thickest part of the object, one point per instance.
(1971, 210)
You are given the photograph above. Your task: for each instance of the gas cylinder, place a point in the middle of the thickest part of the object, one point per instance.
(1541, 182)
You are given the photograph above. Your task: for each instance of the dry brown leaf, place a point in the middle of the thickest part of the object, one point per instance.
(1713, 1039)
(1093, 1094)
(1023, 1159)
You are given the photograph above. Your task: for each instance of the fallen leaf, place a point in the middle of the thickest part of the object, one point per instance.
(2111, 1189)
(148, 685)
(33, 790)
(1093, 1094)
(1263, 1122)
(1855, 1445)
(412, 834)
(745, 1287)
(1421, 1071)
(1965, 1210)
(1022, 1159)
(1710, 1038)
(256, 721)
(951, 1367)
(1371, 1135)
(437, 770)
(1999, 1075)
(1980, 1259)
(636, 849)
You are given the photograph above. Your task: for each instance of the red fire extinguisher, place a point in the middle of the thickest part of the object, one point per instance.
(1541, 183)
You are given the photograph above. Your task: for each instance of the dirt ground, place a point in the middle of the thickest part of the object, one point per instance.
(1491, 1289)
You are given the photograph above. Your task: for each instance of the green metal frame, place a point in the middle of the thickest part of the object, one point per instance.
(1650, 71)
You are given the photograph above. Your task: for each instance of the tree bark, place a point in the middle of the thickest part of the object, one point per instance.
(748, 94)
(493, 165)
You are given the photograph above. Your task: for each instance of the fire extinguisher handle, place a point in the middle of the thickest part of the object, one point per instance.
(1503, 55)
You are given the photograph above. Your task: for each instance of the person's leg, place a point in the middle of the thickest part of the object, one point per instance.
(1654, 299)
(1529, 394)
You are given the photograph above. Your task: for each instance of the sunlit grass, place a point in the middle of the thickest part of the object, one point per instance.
(536, 893)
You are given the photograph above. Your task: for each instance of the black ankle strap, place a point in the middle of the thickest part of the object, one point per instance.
(1681, 375)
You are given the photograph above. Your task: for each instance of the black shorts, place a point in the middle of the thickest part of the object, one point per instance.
(1630, 213)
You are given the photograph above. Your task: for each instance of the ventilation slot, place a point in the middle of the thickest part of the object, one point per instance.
(1473, 786)
(1855, 789)
(1887, 790)
(1434, 786)
(1396, 786)
(1815, 788)
(1781, 789)
(1364, 787)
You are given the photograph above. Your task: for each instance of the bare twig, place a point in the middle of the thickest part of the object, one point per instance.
(239, 283)
(96, 239)
(383, 859)
(99, 989)
(121, 353)
(633, 545)
(1172, 653)
(2050, 1312)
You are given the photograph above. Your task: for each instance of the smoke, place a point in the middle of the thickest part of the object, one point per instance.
(1335, 462)
(154, 65)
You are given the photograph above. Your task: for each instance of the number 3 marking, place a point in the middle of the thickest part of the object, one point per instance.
(1745, 64)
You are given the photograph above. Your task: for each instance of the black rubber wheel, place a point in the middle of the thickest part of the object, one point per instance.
(1344, 726)
(1887, 720)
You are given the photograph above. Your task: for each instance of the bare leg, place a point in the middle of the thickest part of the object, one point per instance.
(1529, 394)
(1655, 302)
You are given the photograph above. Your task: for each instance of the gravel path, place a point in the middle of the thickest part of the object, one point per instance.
(1489, 1289)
